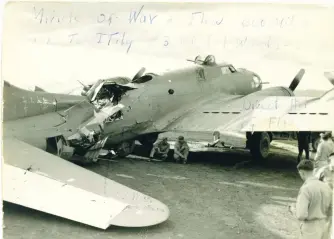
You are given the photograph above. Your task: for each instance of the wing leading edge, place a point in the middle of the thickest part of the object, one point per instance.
(39, 180)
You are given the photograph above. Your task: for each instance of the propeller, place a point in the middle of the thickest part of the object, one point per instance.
(138, 75)
(295, 82)
(85, 87)
(330, 76)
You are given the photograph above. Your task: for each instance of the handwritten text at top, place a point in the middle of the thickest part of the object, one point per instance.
(140, 15)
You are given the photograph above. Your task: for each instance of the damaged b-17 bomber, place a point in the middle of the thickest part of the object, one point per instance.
(112, 114)
(205, 97)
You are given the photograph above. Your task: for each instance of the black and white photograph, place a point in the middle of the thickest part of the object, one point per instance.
(167, 120)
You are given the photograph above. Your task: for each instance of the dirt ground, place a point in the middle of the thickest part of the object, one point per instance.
(208, 198)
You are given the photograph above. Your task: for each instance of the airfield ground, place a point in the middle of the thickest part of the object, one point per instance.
(208, 198)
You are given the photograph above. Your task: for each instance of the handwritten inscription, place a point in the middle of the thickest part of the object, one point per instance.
(199, 17)
(138, 16)
(259, 104)
(114, 38)
(48, 18)
(275, 103)
(112, 28)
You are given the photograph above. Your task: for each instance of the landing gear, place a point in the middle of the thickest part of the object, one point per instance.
(259, 144)
(125, 148)
(148, 140)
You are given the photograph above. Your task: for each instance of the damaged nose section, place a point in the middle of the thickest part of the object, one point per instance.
(88, 139)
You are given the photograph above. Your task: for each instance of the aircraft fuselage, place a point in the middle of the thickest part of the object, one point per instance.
(162, 100)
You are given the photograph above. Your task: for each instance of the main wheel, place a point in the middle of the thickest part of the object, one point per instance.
(125, 148)
(259, 145)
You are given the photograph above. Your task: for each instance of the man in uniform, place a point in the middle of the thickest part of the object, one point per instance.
(325, 148)
(160, 149)
(303, 138)
(181, 150)
(314, 204)
(216, 140)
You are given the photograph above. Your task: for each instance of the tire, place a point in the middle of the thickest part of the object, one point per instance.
(125, 148)
(260, 145)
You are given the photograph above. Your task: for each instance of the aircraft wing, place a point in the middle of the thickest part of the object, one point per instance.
(313, 115)
(36, 179)
(257, 113)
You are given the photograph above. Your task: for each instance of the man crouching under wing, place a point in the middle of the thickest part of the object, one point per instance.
(160, 149)
(181, 150)
(314, 204)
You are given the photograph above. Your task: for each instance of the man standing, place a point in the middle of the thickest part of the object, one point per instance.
(314, 204)
(303, 138)
(325, 148)
(160, 149)
(181, 150)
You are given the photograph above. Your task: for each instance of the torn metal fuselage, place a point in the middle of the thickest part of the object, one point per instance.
(105, 95)
(108, 91)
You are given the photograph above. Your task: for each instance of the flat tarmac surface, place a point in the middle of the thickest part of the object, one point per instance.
(208, 198)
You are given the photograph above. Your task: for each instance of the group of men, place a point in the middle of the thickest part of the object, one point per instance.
(314, 202)
(313, 208)
(161, 149)
(324, 149)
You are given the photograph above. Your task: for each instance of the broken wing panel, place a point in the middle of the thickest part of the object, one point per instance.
(122, 206)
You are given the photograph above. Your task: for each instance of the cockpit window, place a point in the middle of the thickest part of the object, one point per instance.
(225, 70)
(232, 69)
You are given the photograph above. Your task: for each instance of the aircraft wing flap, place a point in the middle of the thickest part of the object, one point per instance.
(125, 206)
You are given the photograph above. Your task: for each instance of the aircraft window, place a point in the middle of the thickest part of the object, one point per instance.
(225, 70)
(232, 69)
(170, 91)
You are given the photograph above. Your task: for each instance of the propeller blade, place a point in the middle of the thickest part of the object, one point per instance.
(85, 87)
(139, 74)
(295, 82)
(330, 76)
